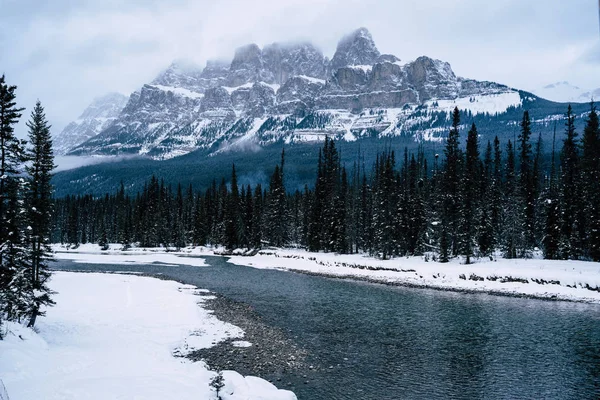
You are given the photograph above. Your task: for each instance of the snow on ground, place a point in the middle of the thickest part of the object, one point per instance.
(92, 254)
(114, 337)
(479, 104)
(563, 280)
(180, 91)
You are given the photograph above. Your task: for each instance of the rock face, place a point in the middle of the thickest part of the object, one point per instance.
(357, 48)
(291, 92)
(97, 117)
(180, 75)
(287, 61)
(432, 78)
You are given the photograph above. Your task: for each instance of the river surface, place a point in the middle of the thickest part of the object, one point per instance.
(378, 342)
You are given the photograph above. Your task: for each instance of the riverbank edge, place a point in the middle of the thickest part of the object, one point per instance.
(255, 360)
(456, 277)
(579, 294)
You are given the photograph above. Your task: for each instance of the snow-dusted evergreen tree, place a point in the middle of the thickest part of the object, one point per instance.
(233, 219)
(470, 185)
(538, 178)
(257, 217)
(590, 173)
(526, 195)
(570, 190)
(485, 229)
(512, 228)
(496, 196)
(39, 207)
(451, 186)
(551, 238)
(276, 213)
(14, 277)
(385, 207)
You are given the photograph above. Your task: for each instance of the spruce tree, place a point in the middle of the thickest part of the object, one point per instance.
(485, 238)
(276, 213)
(526, 186)
(233, 220)
(11, 157)
(470, 194)
(451, 185)
(511, 225)
(590, 171)
(570, 245)
(551, 239)
(39, 207)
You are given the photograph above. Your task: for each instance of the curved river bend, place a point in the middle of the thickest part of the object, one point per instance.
(402, 343)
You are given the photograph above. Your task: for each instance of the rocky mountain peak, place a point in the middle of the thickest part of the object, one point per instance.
(246, 56)
(99, 115)
(215, 69)
(180, 74)
(357, 48)
(289, 92)
(293, 59)
(432, 78)
(107, 106)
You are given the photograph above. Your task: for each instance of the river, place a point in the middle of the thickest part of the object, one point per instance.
(380, 342)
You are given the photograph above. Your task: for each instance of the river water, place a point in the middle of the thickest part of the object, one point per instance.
(379, 342)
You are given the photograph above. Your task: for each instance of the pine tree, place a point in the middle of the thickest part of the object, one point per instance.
(485, 228)
(39, 207)
(451, 185)
(552, 231)
(590, 170)
(511, 224)
(496, 195)
(570, 245)
(537, 178)
(257, 217)
(233, 221)
(276, 213)
(526, 185)
(470, 194)
(11, 246)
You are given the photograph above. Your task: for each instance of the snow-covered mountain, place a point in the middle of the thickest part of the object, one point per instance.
(565, 92)
(293, 93)
(97, 117)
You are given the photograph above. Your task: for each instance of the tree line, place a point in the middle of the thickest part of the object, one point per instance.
(477, 200)
(26, 207)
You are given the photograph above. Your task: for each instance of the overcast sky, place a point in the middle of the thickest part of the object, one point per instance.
(66, 52)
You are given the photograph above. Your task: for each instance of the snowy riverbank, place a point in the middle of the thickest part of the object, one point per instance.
(548, 279)
(117, 336)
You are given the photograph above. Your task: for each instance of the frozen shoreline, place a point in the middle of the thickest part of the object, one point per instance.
(533, 278)
(122, 336)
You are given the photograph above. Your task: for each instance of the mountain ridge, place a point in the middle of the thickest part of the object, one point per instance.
(292, 93)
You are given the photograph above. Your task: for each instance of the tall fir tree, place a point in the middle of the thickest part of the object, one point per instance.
(233, 221)
(551, 238)
(276, 213)
(590, 171)
(470, 194)
(39, 207)
(570, 240)
(451, 185)
(11, 158)
(526, 195)
(511, 225)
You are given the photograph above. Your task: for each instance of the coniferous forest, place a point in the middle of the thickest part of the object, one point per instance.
(477, 200)
(26, 208)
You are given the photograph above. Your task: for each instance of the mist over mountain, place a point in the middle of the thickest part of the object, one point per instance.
(291, 93)
(192, 123)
